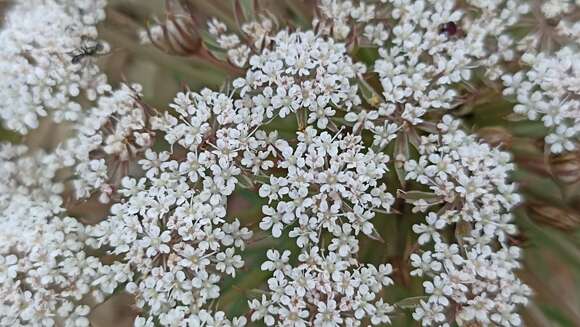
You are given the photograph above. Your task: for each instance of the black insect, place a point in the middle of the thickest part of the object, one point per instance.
(450, 29)
(86, 51)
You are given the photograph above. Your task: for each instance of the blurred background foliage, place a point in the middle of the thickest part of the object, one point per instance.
(549, 219)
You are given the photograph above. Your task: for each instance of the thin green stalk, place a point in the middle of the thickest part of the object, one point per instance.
(173, 64)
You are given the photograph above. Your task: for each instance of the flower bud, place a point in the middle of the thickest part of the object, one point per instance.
(556, 217)
(566, 167)
(496, 136)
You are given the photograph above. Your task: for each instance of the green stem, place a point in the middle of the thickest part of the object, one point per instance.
(173, 64)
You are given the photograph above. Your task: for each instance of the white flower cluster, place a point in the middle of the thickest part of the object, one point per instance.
(329, 189)
(45, 273)
(472, 279)
(550, 91)
(110, 135)
(569, 27)
(555, 8)
(323, 290)
(492, 26)
(302, 72)
(434, 45)
(39, 76)
(545, 84)
(329, 185)
(171, 233)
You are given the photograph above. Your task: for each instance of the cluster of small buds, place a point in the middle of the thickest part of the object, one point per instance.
(323, 290)
(171, 233)
(45, 274)
(40, 40)
(302, 72)
(107, 138)
(471, 278)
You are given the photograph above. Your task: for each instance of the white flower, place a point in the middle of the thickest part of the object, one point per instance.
(429, 231)
(429, 314)
(327, 315)
(424, 264)
(228, 262)
(276, 261)
(439, 290)
(154, 242)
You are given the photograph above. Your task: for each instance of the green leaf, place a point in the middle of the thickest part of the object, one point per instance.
(411, 302)
(369, 94)
(418, 195)
(401, 156)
